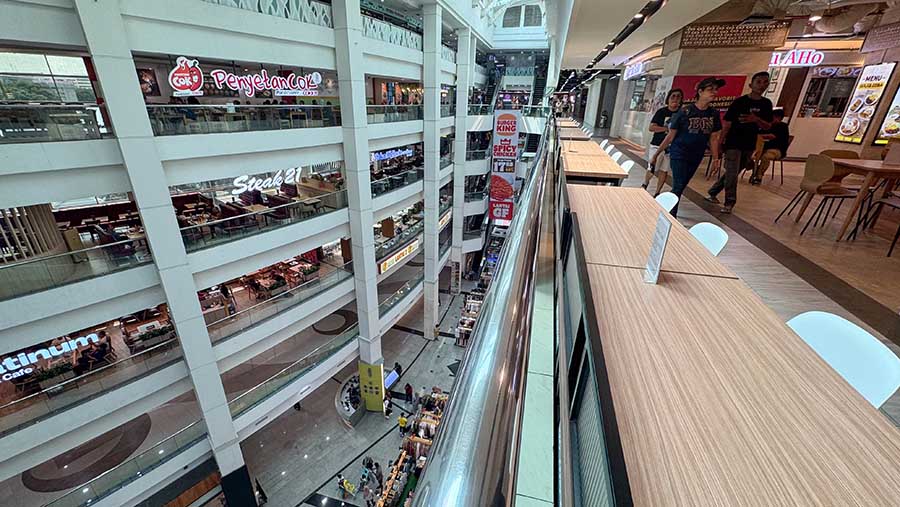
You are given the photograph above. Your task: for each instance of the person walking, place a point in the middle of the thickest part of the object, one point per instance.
(746, 117)
(387, 407)
(659, 125)
(777, 140)
(401, 422)
(691, 130)
(379, 475)
(409, 392)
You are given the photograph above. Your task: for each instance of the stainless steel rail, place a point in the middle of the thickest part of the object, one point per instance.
(475, 453)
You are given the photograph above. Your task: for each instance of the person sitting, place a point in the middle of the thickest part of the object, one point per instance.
(777, 139)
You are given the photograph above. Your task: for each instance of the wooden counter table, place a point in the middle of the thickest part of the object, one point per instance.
(597, 168)
(582, 148)
(573, 133)
(872, 170)
(621, 223)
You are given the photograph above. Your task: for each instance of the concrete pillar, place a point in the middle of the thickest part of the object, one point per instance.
(348, 44)
(104, 31)
(465, 75)
(431, 83)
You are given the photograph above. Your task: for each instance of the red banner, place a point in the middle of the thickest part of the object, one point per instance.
(734, 88)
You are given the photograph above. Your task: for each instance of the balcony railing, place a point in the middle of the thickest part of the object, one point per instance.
(446, 160)
(37, 123)
(391, 183)
(295, 370)
(445, 245)
(204, 235)
(304, 11)
(391, 114)
(390, 33)
(391, 245)
(448, 110)
(536, 111)
(64, 394)
(475, 196)
(133, 469)
(448, 54)
(520, 71)
(472, 234)
(386, 305)
(477, 154)
(178, 120)
(260, 312)
(481, 109)
(42, 273)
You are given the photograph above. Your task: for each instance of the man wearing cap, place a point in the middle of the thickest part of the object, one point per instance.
(742, 123)
(691, 130)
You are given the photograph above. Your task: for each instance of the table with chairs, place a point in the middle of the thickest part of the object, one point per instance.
(588, 162)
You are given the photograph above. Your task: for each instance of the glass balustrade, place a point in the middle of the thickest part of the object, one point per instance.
(42, 273)
(133, 469)
(472, 234)
(536, 111)
(477, 154)
(249, 317)
(216, 232)
(37, 123)
(396, 181)
(448, 110)
(276, 382)
(407, 288)
(393, 244)
(391, 114)
(480, 109)
(183, 119)
(445, 245)
(446, 160)
(446, 203)
(475, 196)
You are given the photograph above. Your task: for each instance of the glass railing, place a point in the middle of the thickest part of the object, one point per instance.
(391, 114)
(391, 183)
(37, 123)
(249, 317)
(389, 246)
(446, 160)
(133, 469)
(475, 196)
(445, 245)
(472, 234)
(216, 232)
(64, 390)
(446, 203)
(386, 305)
(448, 110)
(42, 273)
(305, 11)
(477, 154)
(178, 119)
(297, 369)
(480, 109)
(391, 33)
(536, 111)
(520, 71)
(448, 54)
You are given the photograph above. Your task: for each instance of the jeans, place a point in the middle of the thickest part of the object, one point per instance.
(765, 160)
(735, 160)
(682, 172)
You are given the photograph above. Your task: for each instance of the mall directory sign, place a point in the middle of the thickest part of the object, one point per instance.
(890, 127)
(864, 102)
(371, 386)
(504, 152)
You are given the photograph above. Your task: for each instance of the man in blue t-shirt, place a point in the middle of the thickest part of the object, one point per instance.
(691, 130)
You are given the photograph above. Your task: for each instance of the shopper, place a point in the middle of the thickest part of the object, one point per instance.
(340, 484)
(777, 140)
(379, 475)
(659, 125)
(409, 392)
(691, 130)
(369, 496)
(387, 407)
(746, 116)
(398, 368)
(401, 422)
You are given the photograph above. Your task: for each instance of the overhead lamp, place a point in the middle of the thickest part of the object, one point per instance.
(611, 44)
(638, 16)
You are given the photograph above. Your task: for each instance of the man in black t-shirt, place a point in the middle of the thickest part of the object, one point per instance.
(745, 118)
(777, 140)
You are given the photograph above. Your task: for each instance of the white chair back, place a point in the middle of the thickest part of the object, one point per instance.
(603, 143)
(667, 200)
(609, 149)
(627, 165)
(864, 362)
(616, 156)
(711, 236)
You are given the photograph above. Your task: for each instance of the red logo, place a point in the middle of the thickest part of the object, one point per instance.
(186, 78)
(506, 124)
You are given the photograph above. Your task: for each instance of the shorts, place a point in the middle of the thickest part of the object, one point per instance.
(662, 163)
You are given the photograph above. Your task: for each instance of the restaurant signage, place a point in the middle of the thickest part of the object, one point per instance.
(733, 35)
(890, 127)
(882, 37)
(864, 102)
(247, 183)
(20, 365)
(733, 88)
(187, 79)
(797, 58)
(398, 256)
(378, 156)
(445, 219)
(503, 163)
(635, 70)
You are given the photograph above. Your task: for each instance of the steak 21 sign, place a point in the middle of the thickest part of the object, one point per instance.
(187, 79)
(248, 183)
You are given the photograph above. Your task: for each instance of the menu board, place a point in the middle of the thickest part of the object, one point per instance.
(864, 102)
(890, 127)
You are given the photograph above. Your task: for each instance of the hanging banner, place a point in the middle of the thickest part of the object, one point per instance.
(371, 386)
(864, 102)
(734, 88)
(504, 153)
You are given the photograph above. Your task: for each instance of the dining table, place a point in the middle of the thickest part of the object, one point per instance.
(873, 173)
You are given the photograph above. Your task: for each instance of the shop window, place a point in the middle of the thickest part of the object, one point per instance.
(44, 78)
(532, 15)
(642, 95)
(829, 91)
(511, 17)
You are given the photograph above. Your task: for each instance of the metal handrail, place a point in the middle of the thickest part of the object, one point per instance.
(68, 253)
(472, 461)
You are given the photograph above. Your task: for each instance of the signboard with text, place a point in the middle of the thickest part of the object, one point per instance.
(657, 248)
(504, 153)
(890, 127)
(186, 79)
(797, 58)
(735, 35)
(398, 256)
(734, 88)
(864, 102)
(371, 386)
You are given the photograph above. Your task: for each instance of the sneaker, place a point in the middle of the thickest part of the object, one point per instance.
(712, 199)
(726, 209)
(644, 186)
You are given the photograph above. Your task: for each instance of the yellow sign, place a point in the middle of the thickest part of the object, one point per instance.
(397, 257)
(371, 386)
(445, 219)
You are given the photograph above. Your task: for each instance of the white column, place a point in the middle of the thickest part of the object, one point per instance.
(349, 42)
(104, 31)
(431, 83)
(465, 74)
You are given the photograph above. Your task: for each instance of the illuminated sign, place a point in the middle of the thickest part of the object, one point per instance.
(797, 58)
(187, 79)
(247, 183)
(864, 102)
(635, 70)
(19, 365)
(378, 156)
(398, 256)
(445, 219)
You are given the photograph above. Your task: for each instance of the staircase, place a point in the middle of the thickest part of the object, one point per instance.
(532, 142)
(540, 82)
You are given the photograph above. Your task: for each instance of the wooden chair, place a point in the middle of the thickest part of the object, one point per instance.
(817, 175)
(872, 212)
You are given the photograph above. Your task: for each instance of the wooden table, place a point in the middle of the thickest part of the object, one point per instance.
(618, 224)
(573, 133)
(872, 170)
(593, 168)
(582, 147)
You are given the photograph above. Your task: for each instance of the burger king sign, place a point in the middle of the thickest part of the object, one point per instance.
(504, 153)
